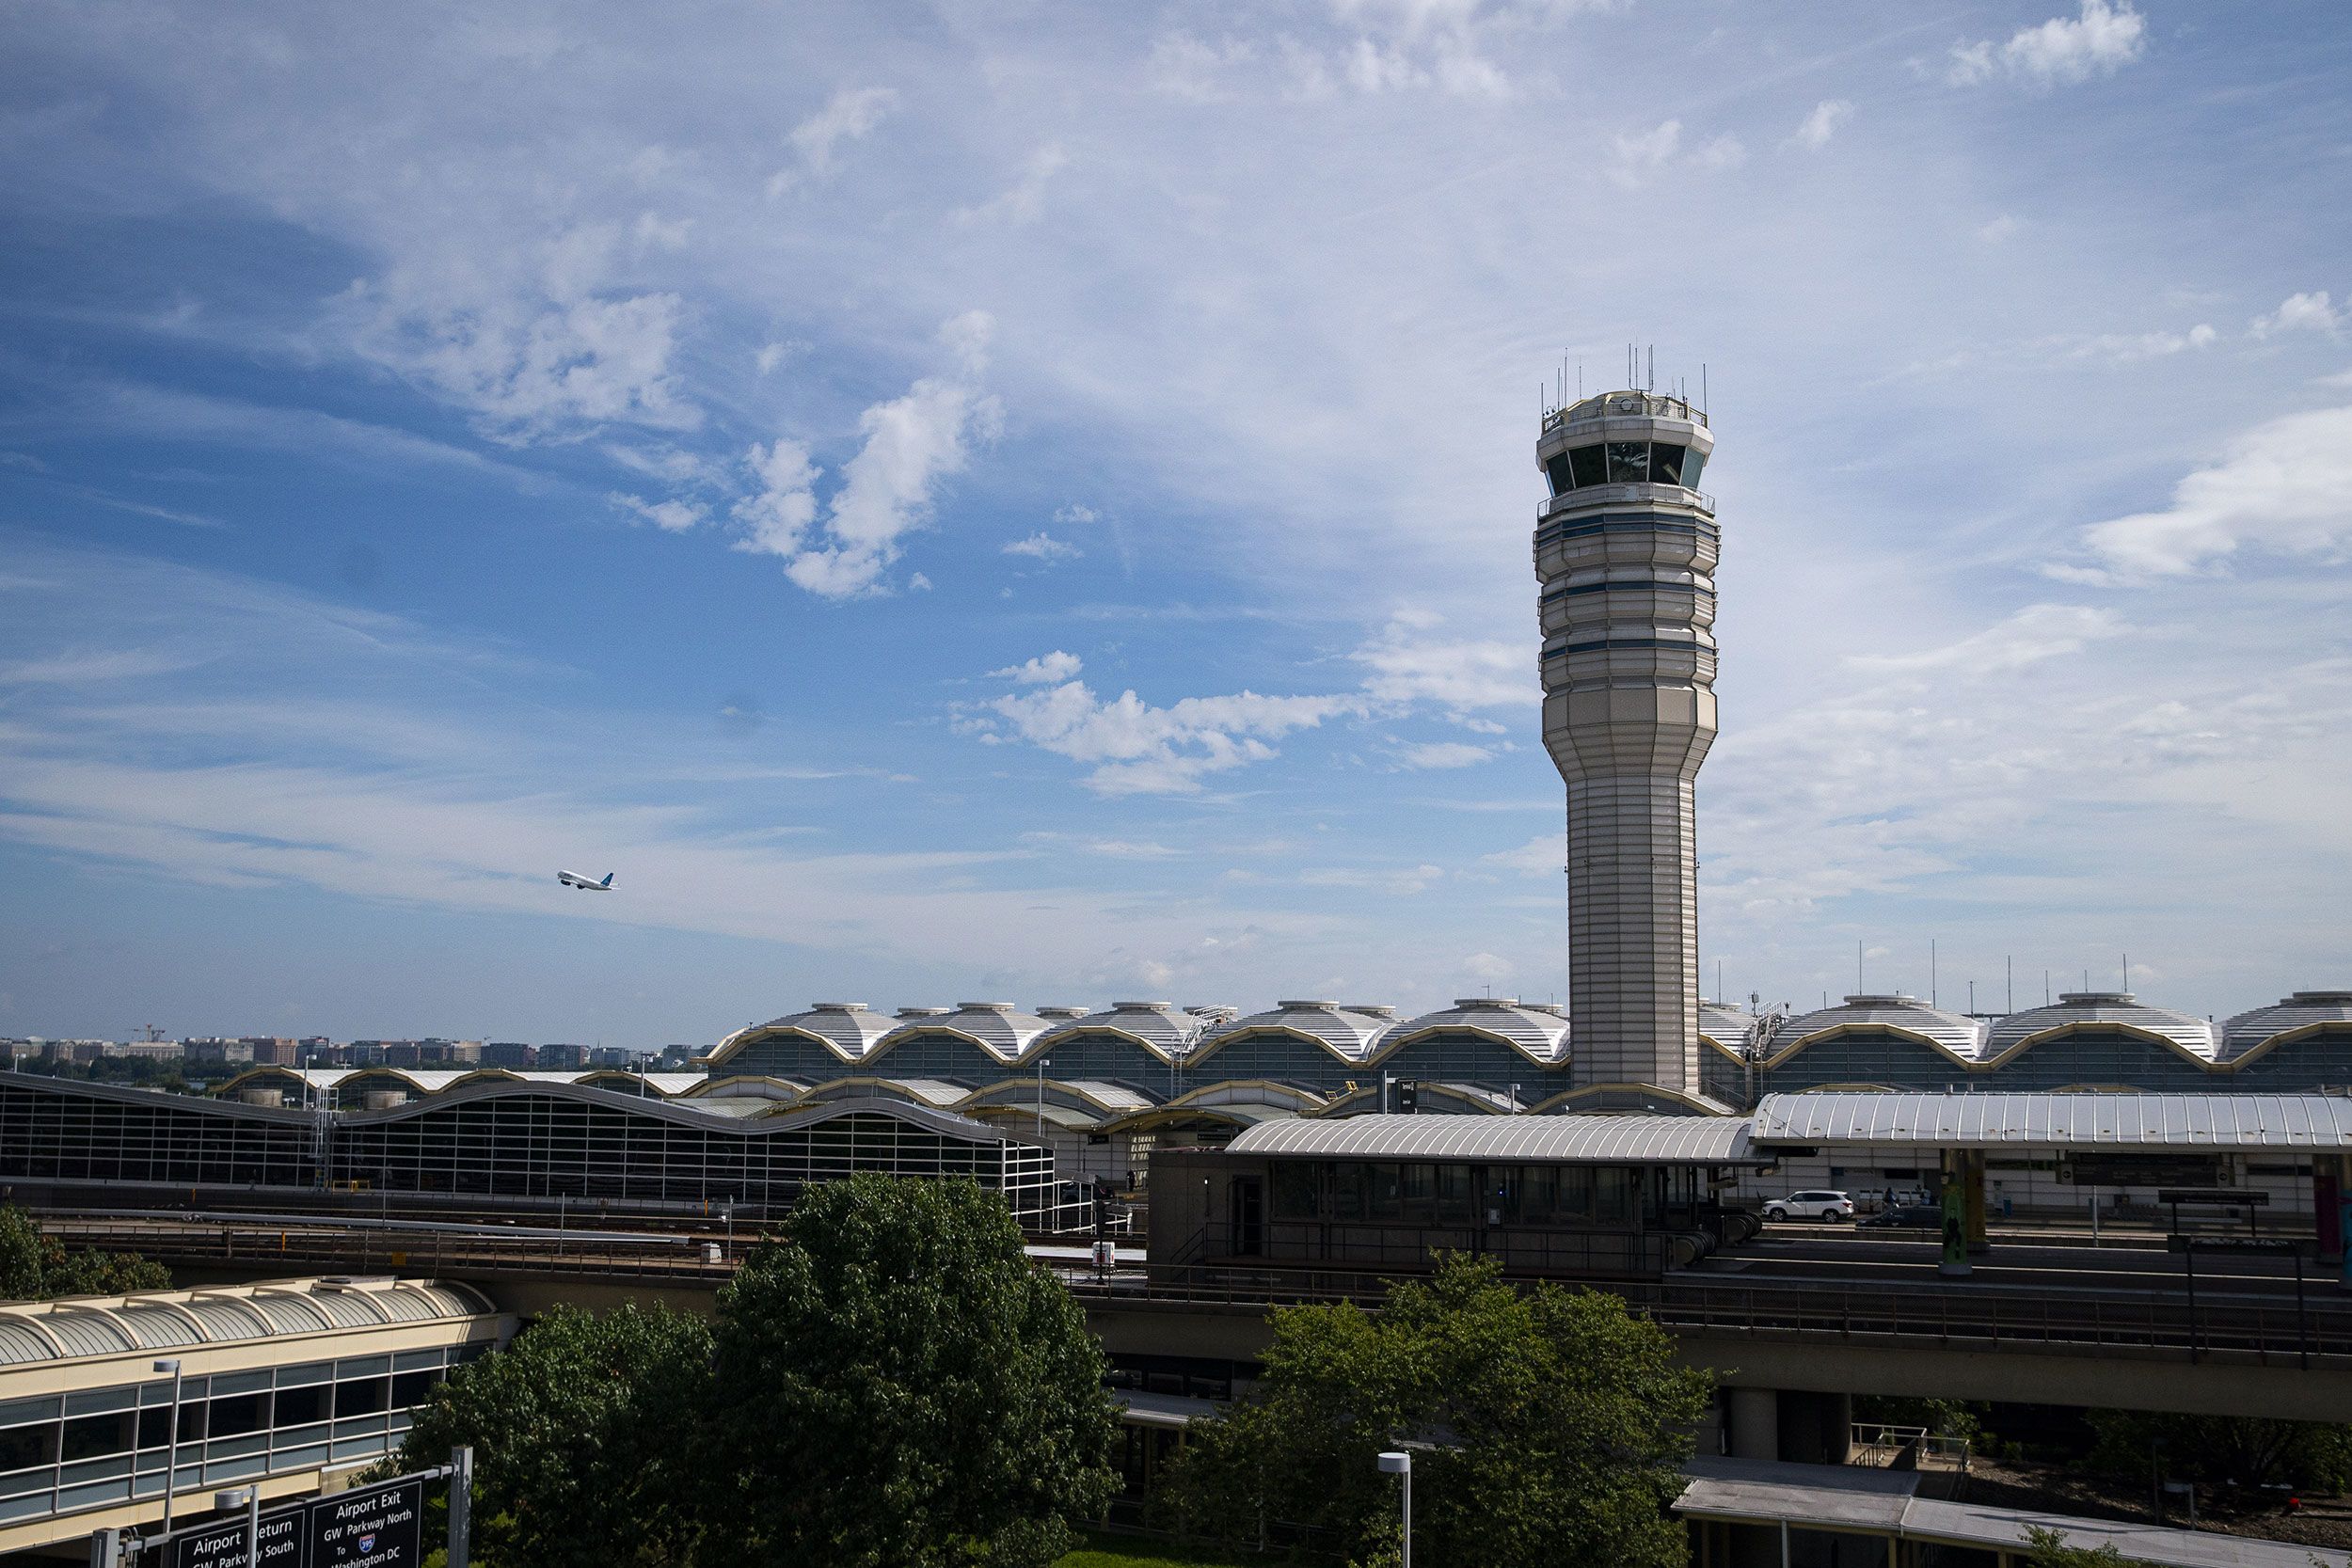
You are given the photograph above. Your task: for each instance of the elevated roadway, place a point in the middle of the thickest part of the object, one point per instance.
(1828, 1313)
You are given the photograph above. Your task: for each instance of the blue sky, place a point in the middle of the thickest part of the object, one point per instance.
(1033, 501)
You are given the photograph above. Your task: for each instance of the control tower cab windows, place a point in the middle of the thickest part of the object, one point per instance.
(1629, 462)
(1624, 463)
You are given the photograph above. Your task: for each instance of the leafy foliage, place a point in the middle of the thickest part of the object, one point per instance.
(1546, 1427)
(894, 1383)
(582, 1434)
(35, 1267)
(2245, 1451)
(898, 1384)
(2047, 1548)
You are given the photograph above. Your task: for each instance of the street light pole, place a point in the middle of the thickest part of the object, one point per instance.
(1401, 1465)
(171, 1463)
(250, 1498)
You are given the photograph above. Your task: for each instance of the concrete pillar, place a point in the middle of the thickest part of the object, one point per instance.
(1972, 1166)
(1755, 1419)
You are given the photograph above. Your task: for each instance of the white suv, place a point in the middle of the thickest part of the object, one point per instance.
(1813, 1205)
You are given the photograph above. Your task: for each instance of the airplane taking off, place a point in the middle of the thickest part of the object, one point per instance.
(573, 878)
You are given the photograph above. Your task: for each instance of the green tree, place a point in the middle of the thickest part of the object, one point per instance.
(36, 1267)
(2244, 1452)
(897, 1384)
(2047, 1548)
(583, 1433)
(1546, 1427)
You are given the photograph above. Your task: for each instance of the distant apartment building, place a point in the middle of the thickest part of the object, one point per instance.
(270, 1049)
(148, 1051)
(563, 1057)
(437, 1053)
(217, 1051)
(514, 1055)
(613, 1056)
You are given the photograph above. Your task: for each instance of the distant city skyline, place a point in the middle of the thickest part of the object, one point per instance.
(956, 504)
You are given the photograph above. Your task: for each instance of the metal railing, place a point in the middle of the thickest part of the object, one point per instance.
(1886, 1446)
(1584, 495)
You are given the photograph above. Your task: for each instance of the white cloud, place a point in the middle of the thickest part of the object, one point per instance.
(2311, 312)
(2027, 637)
(672, 516)
(1488, 967)
(776, 515)
(1045, 669)
(531, 368)
(849, 114)
(1641, 155)
(1637, 157)
(1024, 198)
(887, 491)
(1823, 123)
(1544, 855)
(1409, 664)
(2099, 41)
(1041, 546)
(2000, 229)
(2284, 487)
(1074, 513)
(1136, 749)
(1443, 753)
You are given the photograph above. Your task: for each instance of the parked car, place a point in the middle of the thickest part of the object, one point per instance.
(1821, 1205)
(1908, 1216)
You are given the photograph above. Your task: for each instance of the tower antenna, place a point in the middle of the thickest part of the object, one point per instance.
(1702, 386)
(2127, 971)
(2008, 970)
(1931, 972)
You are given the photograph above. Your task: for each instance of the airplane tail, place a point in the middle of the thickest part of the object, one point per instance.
(608, 881)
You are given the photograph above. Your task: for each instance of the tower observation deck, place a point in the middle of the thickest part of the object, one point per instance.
(1624, 548)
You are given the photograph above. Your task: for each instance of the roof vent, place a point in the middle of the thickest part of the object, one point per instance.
(1372, 1009)
(1885, 999)
(1484, 1003)
(923, 1012)
(1062, 1012)
(837, 1006)
(983, 1007)
(2096, 999)
(2319, 999)
(1141, 1006)
(1306, 1006)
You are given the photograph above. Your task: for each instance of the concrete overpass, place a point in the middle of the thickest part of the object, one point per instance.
(2101, 1328)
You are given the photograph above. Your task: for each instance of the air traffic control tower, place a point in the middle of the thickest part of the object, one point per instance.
(1625, 547)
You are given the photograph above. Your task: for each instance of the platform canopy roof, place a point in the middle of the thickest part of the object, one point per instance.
(2218, 1121)
(222, 1314)
(1857, 1500)
(1582, 1140)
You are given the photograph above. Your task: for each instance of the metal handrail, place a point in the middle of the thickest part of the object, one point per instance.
(1586, 493)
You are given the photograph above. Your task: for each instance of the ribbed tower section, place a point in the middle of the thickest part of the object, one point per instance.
(1626, 547)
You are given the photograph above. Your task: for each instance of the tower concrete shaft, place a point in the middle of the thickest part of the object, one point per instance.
(1626, 548)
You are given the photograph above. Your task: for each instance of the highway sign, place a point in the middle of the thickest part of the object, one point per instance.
(222, 1544)
(375, 1528)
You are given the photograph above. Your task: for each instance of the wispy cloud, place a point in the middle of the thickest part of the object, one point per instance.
(2099, 41)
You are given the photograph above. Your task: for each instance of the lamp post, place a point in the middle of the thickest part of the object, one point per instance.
(726, 1212)
(248, 1499)
(1401, 1465)
(171, 1463)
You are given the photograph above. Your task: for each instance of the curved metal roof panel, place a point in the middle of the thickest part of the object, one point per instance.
(1569, 1140)
(1961, 1035)
(1346, 1034)
(1157, 1025)
(996, 1027)
(1727, 1027)
(849, 1028)
(2120, 1008)
(1539, 1032)
(2305, 1009)
(2225, 1121)
(164, 1320)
